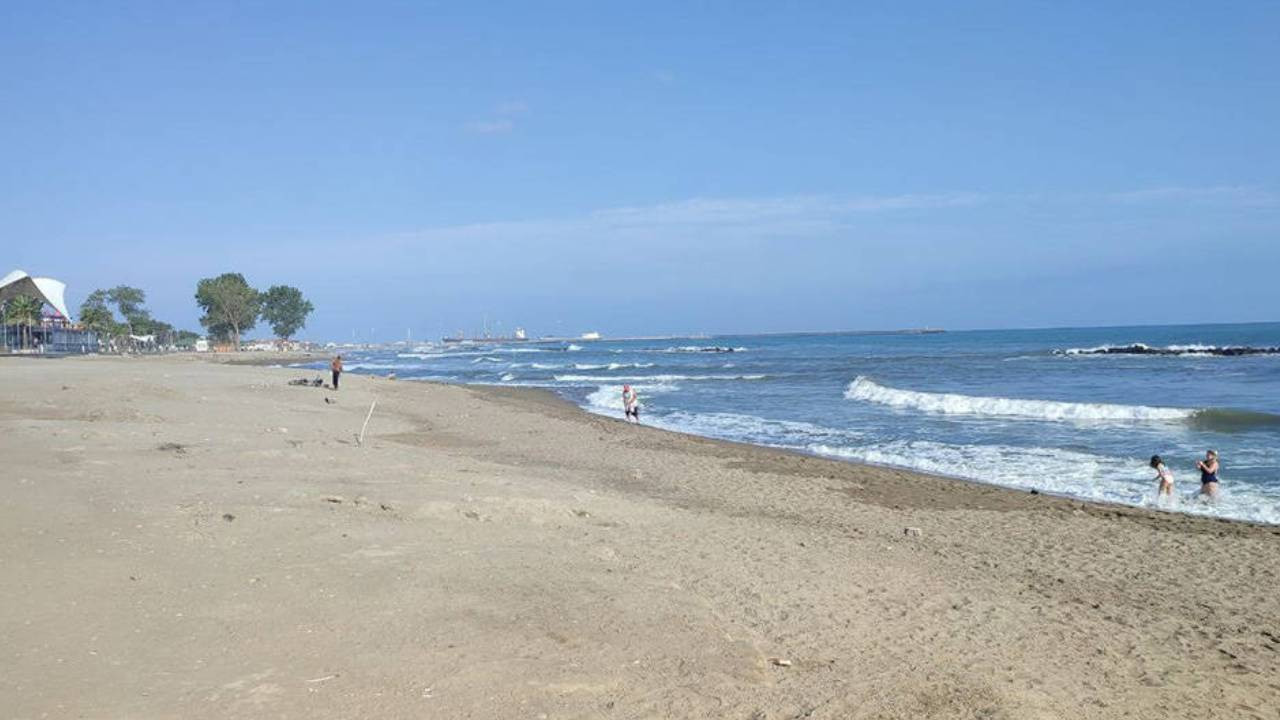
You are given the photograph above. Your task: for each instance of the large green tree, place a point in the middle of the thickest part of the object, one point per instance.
(284, 308)
(96, 315)
(129, 300)
(230, 306)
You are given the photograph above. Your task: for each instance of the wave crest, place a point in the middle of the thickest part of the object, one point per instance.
(866, 390)
(1175, 350)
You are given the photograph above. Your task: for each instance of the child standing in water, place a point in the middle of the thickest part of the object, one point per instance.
(631, 403)
(1209, 474)
(1163, 476)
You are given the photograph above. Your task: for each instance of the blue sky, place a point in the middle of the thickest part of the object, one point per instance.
(652, 167)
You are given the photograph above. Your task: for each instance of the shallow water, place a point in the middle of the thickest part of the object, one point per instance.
(1019, 408)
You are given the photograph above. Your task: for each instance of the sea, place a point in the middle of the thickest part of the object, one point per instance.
(1075, 412)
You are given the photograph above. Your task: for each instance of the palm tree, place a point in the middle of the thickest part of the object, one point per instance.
(25, 310)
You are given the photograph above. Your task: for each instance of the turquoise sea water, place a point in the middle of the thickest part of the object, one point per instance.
(1031, 409)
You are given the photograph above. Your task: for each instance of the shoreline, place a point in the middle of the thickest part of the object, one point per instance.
(197, 539)
(1099, 505)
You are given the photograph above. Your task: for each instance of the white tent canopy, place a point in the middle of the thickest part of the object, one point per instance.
(47, 290)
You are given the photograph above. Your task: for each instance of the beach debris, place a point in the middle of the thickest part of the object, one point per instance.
(323, 679)
(336, 499)
(426, 692)
(228, 517)
(582, 513)
(173, 447)
(780, 662)
(360, 437)
(913, 532)
(385, 507)
(330, 401)
(391, 376)
(471, 514)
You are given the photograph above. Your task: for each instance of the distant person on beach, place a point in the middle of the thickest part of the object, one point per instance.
(336, 367)
(1163, 476)
(630, 403)
(1209, 474)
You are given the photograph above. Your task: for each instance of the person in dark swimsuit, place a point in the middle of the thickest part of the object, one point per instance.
(336, 368)
(1209, 474)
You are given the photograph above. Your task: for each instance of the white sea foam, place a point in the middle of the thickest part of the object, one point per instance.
(1061, 472)
(1189, 350)
(545, 366)
(573, 348)
(754, 429)
(610, 366)
(1056, 471)
(607, 399)
(651, 378)
(508, 377)
(385, 366)
(866, 390)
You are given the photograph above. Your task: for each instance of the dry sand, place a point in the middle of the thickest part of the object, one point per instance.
(184, 539)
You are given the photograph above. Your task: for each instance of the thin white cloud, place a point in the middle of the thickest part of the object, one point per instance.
(512, 107)
(503, 120)
(735, 211)
(491, 127)
(1236, 195)
(701, 220)
(797, 217)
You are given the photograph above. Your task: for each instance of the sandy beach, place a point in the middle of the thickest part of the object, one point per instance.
(188, 539)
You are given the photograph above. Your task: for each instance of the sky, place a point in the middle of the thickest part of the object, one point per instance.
(416, 168)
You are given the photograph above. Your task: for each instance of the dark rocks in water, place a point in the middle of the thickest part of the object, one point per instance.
(1140, 349)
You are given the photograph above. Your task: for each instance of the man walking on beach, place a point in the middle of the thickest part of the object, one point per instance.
(336, 367)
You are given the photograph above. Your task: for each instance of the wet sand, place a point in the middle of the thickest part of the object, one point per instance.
(186, 539)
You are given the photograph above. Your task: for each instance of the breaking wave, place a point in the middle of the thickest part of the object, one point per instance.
(1172, 350)
(607, 399)
(866, 390)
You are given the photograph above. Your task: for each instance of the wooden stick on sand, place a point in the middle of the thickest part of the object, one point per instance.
(360, 438)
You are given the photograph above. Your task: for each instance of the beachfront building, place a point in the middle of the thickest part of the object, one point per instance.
(52, 331)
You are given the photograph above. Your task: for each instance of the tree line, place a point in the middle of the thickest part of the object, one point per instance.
(231, 308)
(99, 311)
